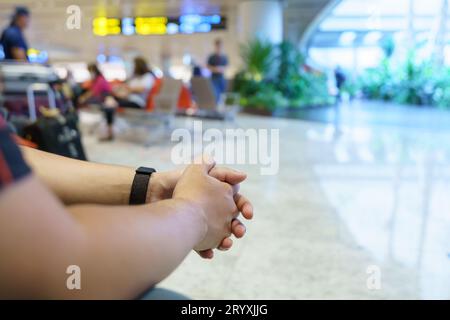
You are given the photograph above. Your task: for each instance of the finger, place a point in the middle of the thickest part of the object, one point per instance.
(237, 228)
(206, 254)
(236, 188)
(226, 244)
(228, 175)
(244, 206)
(204, 163)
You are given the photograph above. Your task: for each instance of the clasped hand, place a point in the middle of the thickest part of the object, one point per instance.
(215, 191)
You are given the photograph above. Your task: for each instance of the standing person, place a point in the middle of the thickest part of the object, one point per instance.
(217, 62)
(13, 41)
(340, 81)
(100, 92)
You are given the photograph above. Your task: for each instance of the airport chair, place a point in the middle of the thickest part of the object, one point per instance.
(205, 98)
(165, 104)
(184, 101)
(203, 93)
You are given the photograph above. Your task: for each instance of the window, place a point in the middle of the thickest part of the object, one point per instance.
(353, 33)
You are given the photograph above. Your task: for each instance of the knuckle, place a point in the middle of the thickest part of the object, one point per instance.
(228, 188)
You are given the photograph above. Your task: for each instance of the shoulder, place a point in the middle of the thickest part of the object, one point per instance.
(12, 31)
(145, 80)
(101, 79)
(98, 81)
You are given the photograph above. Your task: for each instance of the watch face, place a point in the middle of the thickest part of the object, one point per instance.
(145, 170)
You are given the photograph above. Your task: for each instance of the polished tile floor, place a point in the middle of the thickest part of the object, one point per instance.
(349, 207)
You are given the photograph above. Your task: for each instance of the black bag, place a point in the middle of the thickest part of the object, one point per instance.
(54, 132)
(57, 134)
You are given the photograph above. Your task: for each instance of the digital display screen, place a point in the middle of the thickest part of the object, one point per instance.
(186, 24)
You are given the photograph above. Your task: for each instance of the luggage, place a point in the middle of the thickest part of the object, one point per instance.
(53, 132)
(16, 77)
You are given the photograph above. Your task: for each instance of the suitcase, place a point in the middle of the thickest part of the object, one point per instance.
(53, 132)
(16, 77)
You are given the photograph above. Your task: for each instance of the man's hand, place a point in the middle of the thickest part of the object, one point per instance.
(162, 185)
(214, 198)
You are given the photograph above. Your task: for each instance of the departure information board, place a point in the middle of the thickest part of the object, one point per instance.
(186, 24)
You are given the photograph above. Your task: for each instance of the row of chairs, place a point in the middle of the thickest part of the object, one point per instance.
(170, 98)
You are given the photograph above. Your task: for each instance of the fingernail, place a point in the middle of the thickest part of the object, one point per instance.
(238, 171)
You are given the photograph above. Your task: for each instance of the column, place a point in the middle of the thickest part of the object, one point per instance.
(260, 19)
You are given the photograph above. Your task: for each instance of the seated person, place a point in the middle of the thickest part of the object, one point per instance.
(133, 93)
(76, 213)
(100, 93)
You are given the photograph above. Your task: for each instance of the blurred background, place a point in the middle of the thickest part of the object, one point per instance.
(359, 91)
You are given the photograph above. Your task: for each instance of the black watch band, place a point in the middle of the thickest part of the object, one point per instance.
(138, 193)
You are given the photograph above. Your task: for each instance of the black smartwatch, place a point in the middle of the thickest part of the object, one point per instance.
(138, 193)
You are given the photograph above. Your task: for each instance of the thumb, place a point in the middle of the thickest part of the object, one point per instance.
(227, 175)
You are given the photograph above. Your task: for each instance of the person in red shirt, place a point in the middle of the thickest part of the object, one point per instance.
(100, 92)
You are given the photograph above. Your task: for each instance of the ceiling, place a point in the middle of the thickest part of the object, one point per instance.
(48, 27)
(356, 23)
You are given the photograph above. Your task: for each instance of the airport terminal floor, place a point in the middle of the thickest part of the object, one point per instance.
(344, 201)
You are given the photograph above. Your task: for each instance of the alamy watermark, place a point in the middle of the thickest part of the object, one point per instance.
(73, 21)
(229, 147)
(73, 281)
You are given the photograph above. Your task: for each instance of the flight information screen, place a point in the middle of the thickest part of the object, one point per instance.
(186, 24)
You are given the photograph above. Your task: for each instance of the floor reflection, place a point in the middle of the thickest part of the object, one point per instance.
(367, 193)
(390, 186)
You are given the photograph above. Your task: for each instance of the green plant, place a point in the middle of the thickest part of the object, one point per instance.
(275, 77)
(290, 63)
(268, 98)
(415, 82)
(259, 57)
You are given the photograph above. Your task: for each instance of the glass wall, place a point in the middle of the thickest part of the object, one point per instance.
(354, 34)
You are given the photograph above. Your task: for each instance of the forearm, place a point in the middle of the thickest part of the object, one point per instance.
(216, 69)
(85, 96)
(19, 54)
(121, 251)
(75, 181)
(137, 90)
(153, 241)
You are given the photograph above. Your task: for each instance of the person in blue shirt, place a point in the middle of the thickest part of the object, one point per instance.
(13, 41)
(217, 62)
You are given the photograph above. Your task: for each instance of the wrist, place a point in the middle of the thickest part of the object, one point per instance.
(197, 213)
(161, 185)
(155, 186)
(140, 186)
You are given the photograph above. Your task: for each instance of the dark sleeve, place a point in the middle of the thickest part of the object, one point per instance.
(12, 164)
(211, 61)
(14, 39)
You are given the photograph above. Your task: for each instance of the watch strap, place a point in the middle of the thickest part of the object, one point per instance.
(138, 193)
